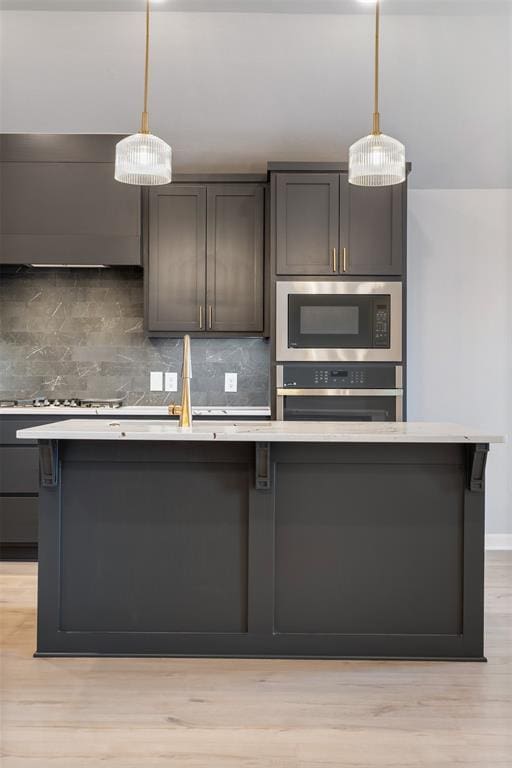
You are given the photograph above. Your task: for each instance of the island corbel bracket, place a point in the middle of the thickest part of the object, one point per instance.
(49, 463)
(262, 469)
(476, 462)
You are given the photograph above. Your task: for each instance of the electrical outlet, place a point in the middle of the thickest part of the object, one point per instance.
(171, 381)
(230, 382)
(156, 381)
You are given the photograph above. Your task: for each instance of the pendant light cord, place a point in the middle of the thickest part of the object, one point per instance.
(145, 116)
(376, 116)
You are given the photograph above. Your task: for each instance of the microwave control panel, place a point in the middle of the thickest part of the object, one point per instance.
(381, 324)
(340, 376)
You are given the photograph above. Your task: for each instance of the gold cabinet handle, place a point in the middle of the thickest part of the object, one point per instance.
(345, 260)
(210, 316)
(200, 317)
(334, 261)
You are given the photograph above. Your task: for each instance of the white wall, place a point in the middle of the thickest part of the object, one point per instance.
(231, 91)
(460, 322)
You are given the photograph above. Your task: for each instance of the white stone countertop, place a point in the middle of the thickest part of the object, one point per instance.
(256, 412)
(271, 431)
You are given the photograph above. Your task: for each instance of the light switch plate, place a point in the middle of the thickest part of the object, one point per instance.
(156, 381)
(230, 382)
(171, 381)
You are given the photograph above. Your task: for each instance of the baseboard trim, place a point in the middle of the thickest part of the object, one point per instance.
(498, 541)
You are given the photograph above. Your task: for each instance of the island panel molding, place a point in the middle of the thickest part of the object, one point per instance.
(253, 547)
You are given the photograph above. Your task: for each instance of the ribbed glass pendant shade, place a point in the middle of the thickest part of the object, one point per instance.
(143, 159)
(376, 160)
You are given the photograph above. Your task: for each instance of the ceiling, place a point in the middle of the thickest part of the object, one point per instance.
(437, 7)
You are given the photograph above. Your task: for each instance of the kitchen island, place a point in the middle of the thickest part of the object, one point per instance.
(286, 539)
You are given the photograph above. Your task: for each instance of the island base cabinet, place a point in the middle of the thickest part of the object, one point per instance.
(269, 550)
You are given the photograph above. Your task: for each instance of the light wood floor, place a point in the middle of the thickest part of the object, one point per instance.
(129, 713)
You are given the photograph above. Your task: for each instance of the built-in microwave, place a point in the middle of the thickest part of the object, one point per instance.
(358, 321)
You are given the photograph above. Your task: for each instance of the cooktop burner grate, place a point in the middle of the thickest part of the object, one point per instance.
(62, 402)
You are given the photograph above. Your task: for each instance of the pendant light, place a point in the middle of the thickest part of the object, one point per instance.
(142, 158)
(376, 160)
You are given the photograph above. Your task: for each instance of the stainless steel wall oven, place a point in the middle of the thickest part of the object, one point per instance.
(330, 392)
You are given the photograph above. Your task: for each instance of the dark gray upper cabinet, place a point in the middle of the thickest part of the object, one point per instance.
(176, 276)
(60, 203)
(371, 232)
(206, 259)
(325, 226)
(306, 223)
(235, 258)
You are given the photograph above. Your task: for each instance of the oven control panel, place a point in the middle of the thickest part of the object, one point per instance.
(344, 376)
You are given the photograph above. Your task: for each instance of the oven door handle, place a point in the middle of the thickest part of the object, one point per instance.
(284, 392)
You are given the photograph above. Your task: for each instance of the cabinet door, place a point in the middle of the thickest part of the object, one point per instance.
(177, 259)
(18, 519)
(307, 223)
(20, 469)
(372, 229)
(62, 205)
(235, 258)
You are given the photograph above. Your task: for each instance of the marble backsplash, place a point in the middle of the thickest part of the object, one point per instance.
(79, 332)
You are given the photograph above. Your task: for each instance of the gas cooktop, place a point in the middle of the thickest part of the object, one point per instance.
(64, 402)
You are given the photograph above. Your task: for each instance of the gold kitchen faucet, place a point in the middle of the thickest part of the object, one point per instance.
(184, 411)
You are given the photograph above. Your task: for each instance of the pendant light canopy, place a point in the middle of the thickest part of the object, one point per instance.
(144, 159)
(376, 160)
